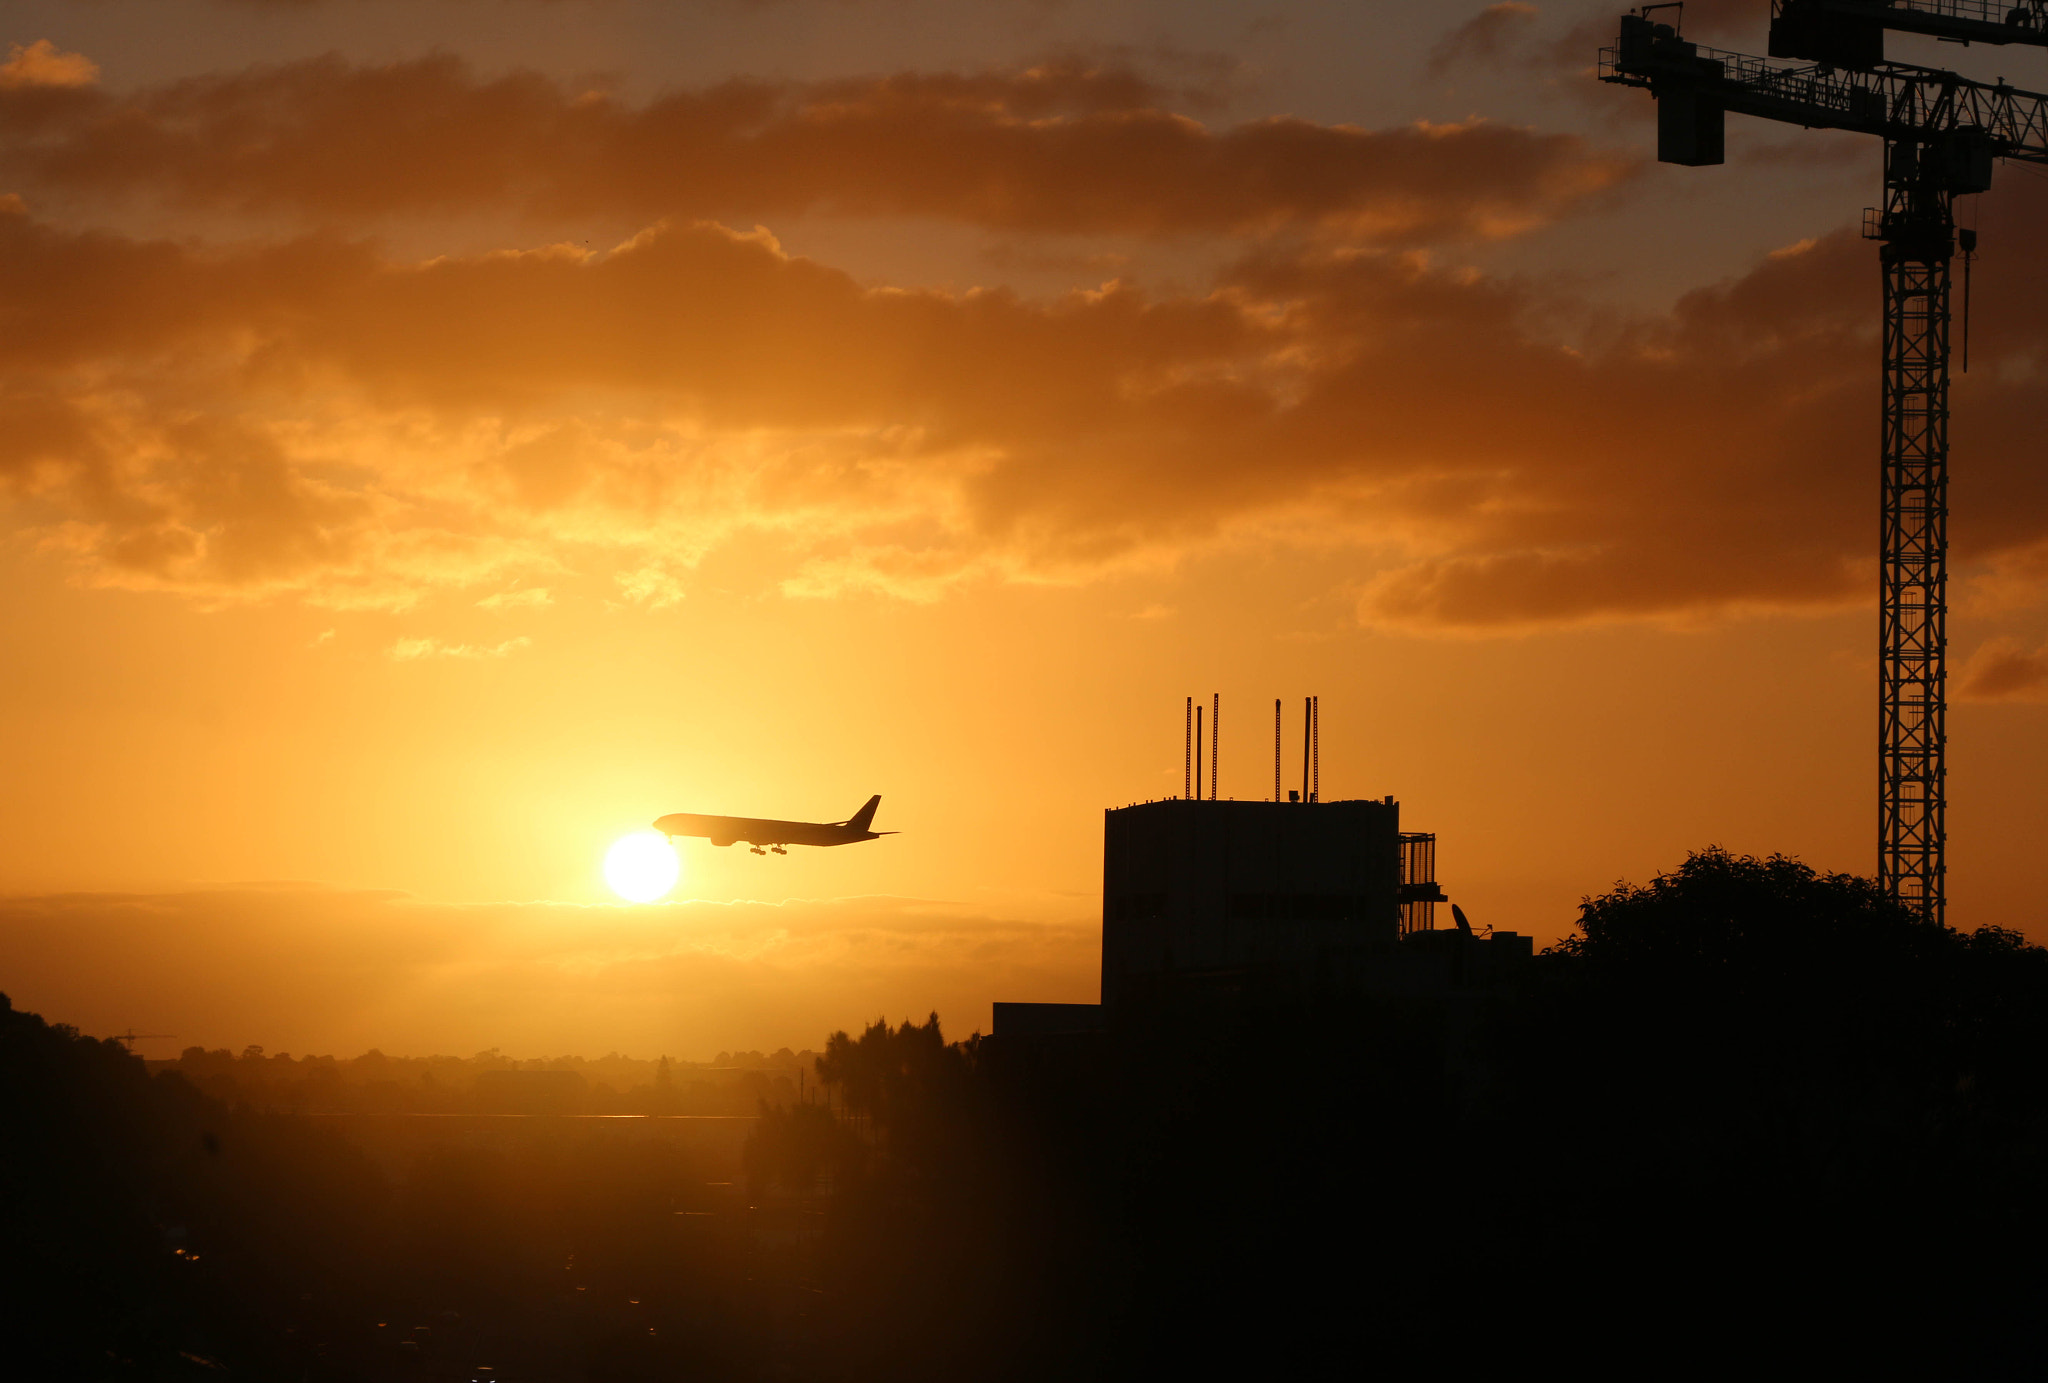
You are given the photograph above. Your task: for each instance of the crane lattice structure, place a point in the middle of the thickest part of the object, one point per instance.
(1941, 133)
(129, 1038)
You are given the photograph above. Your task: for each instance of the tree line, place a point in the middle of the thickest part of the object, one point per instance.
(1746, 1111)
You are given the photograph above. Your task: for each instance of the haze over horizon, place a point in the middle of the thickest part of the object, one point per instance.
(440, 438)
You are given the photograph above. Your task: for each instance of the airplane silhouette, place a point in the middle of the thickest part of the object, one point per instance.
(756, 832)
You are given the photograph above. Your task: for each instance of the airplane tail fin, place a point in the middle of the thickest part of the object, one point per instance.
(860, 819)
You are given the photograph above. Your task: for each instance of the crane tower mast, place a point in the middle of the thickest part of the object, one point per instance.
(1941, 133)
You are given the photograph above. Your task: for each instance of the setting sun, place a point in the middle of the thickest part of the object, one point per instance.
(642, 866)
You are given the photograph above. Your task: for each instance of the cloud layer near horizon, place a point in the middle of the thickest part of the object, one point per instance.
(332, 971)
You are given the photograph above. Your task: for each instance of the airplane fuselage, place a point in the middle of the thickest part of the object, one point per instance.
(758, 831)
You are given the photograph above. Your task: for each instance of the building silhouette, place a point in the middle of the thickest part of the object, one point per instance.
(1214, 904)
(1215, 895)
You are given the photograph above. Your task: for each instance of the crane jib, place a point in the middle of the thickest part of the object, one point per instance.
(1850, 33)
(1896, 101)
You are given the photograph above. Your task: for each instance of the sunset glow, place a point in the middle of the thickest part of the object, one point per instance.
(907, 690)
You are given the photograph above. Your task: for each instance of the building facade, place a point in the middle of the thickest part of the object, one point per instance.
(1276, 895)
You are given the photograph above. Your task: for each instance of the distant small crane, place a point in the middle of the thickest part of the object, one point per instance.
(1941, 134)
(130, 1038)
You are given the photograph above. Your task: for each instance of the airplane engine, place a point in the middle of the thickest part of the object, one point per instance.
(727, 841)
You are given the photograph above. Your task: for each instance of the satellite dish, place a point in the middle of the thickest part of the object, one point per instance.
(1458, 916)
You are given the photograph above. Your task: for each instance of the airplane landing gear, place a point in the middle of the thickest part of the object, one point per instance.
(757, 849)
(778, 849)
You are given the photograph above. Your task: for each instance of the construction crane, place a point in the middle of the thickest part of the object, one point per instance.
(131, 1037)
(1850, 33)
(1941, 133)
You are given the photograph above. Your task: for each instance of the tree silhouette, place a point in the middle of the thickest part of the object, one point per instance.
(1732, 920)
(916, 1090)
(795, 1147)
(1755, 1092)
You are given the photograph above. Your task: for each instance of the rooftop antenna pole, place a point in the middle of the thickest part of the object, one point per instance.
(1187, 753)
(1308, 720)
(1276, 749)
(1315, 783)
(1215, 737)
(1198, 753)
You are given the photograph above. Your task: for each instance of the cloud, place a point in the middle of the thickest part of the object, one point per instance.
(314, 418)
(1484, 36)
(2004, 670)
(40, 64)
(312, 969)
(412, 650)
(654, 587)
(1063, 147)
(532, 598)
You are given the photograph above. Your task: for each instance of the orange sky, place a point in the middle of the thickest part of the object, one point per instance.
(440, 437)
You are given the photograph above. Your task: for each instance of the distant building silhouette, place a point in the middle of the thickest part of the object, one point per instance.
(1210, 902)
